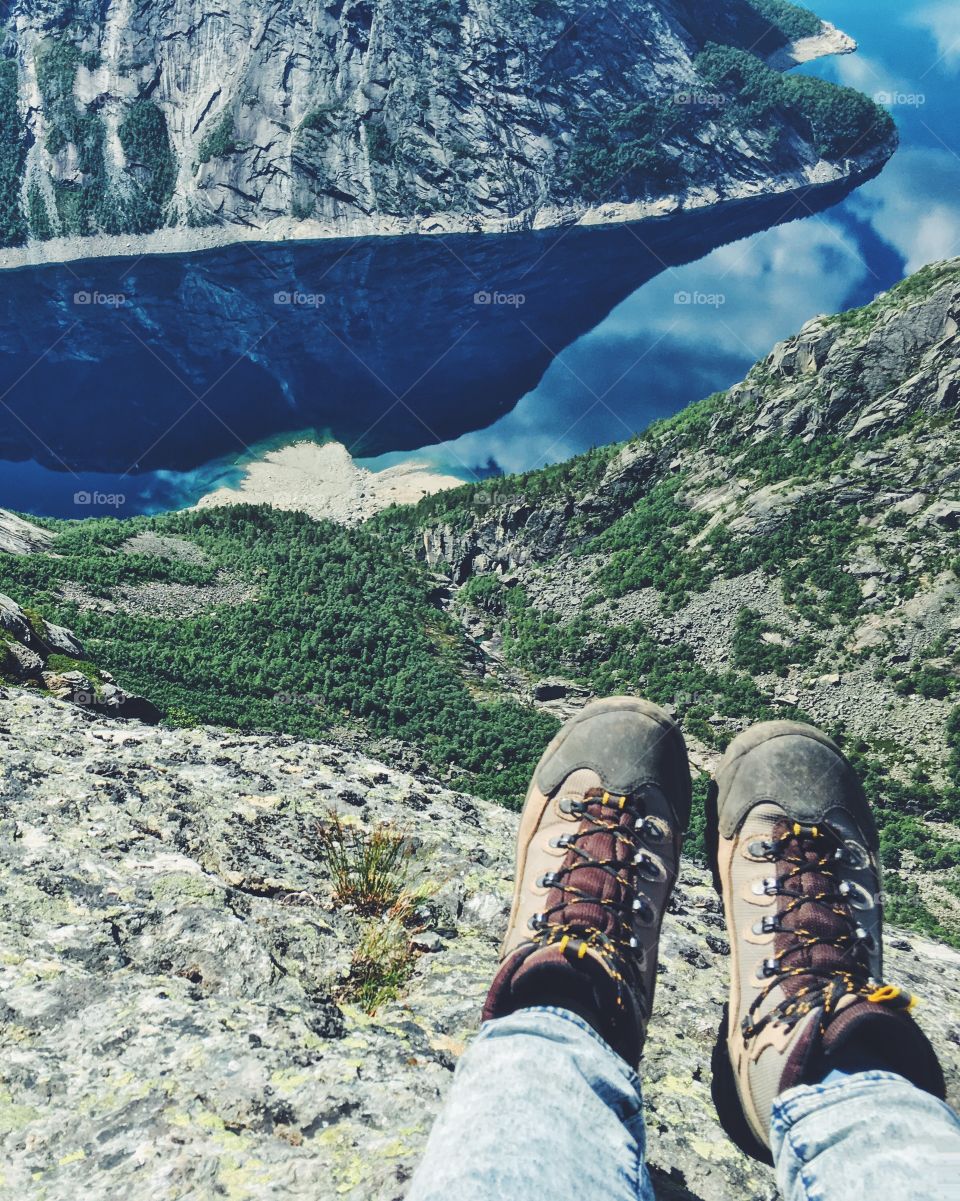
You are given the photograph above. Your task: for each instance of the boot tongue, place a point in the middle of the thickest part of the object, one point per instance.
(593, 896)
(827, 920)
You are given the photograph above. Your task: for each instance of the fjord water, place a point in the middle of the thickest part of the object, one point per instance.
(130, 386)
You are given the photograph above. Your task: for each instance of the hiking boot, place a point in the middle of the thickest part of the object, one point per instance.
(794, 849)
(597, 858)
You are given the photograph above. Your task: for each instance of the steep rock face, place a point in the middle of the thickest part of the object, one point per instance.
(171, 1011)
(858, 377)
(395, 114)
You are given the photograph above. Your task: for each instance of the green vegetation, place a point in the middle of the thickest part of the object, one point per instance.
(319, 117)
(379, 143)
(647, 548)
(368, 867)
(219, 142)
(13, 228)
(460, 507)
(791, 20)
(146, 145)
(753, 653)
(382, 963)
(915, 287)
(904, 907)
(623, 155)
(38, 216)
(338, 629)
(610, 657)
(842, 120)
(90, 205)
(808, 551)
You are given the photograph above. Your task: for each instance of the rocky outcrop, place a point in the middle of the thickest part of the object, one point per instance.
(391, 116)
(19, 537)
(172, 988)
(37, 652)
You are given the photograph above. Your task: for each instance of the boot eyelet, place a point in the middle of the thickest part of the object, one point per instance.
(644, 910)
(768, 887)
(768, 968)
(646, 866)
(759, 849)
(652, 831)
(561, 842)
(767, 925)
(853, 855)
(857, 896)
(865, 938)
(537, 922)
(548, 880)
(571, 807)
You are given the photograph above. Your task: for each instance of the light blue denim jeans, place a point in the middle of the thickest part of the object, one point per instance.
(542, 1107)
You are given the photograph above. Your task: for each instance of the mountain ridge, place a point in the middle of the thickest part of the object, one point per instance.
(139, 127)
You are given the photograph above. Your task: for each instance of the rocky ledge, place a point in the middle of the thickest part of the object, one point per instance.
(36, 652)
(175, 973)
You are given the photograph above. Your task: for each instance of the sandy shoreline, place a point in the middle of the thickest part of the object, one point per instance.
(324, 482)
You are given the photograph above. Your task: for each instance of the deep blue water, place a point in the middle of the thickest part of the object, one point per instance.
(135, 386)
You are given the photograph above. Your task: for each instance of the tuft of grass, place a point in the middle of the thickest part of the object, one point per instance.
(382, 962)
(368, 867)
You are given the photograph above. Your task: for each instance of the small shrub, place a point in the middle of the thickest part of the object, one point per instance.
(146, 144)
(368, 867)
(381, 964)
(379, 144)
(38, 217)
(219, 142)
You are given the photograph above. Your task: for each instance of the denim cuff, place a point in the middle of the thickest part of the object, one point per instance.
(796, 1103)
(545, 1015)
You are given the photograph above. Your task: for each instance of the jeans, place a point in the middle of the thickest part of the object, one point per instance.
(542, 1107)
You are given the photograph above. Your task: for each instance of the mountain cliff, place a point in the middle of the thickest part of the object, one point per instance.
(332, 116)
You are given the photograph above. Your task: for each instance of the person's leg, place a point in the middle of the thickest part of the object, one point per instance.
(821, 1064)
(865, 1134)
(540, 1107)
(546, 1102)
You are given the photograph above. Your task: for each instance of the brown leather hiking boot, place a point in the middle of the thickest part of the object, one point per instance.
(597, 858)
(794, 850)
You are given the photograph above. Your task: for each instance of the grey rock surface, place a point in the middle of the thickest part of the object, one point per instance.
(171, 959)
(392, 116)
